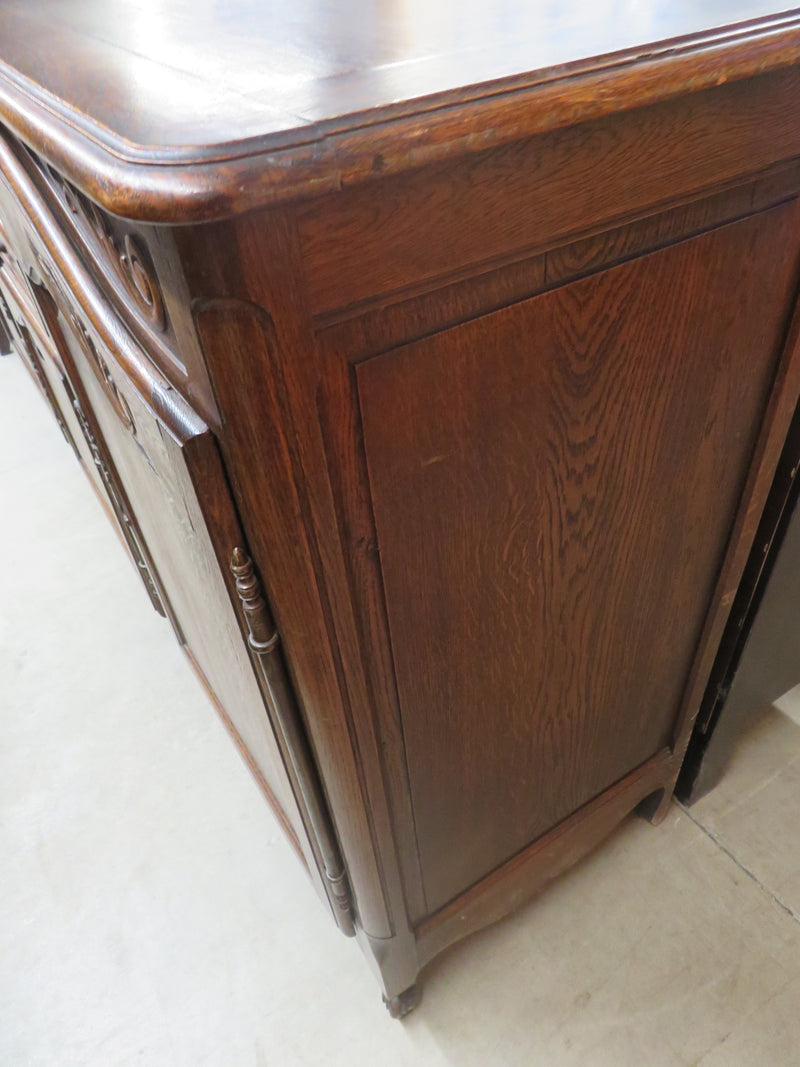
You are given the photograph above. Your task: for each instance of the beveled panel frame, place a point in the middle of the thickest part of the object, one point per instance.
(349, 337)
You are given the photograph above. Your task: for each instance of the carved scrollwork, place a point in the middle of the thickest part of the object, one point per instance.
(142, 281)
(102, 372)
(126, 256)
(34, 361)
(130, 530)
(6, 337)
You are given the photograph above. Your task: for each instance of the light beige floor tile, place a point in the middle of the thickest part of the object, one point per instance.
(646, 953)
(789, 704)
(753, 811)
(764, 1037)
(152, 913)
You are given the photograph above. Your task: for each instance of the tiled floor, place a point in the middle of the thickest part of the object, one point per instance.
(150, 912)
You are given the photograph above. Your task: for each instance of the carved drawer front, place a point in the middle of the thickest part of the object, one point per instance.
(49, 356)
(32, 341)
(135, 268)
(114, 254)
(17, 306)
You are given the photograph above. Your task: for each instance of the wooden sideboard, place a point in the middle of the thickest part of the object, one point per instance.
(434, 377)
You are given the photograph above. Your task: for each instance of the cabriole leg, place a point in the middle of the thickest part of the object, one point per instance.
(655, 806)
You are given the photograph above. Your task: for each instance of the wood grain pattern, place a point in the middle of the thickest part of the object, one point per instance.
(490, 400)
(538, 193)
(533, 543)
(206, 81)
(371, 327)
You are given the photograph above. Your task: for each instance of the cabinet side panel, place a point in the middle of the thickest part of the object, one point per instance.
(554, 486)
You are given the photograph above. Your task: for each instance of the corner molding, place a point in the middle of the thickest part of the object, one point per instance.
(193, 183)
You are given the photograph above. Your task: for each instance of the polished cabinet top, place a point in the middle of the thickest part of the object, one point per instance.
(305, 93)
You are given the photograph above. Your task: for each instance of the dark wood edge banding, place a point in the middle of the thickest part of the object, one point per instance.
(183, 184)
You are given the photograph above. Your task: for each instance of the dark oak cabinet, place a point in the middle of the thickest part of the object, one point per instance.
(437, 414)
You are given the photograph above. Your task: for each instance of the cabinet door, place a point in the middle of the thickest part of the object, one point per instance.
(167, 477)
(553, 486)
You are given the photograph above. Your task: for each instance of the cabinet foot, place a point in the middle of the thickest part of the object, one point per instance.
(655, 806)
(405, 1002)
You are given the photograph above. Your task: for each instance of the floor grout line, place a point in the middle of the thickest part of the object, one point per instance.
(745, 870)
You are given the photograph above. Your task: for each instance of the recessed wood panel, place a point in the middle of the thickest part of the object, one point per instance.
(553, 487)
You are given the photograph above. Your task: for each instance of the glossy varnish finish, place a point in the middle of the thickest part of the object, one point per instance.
(189, 80)
(162, 112)
(443, 441)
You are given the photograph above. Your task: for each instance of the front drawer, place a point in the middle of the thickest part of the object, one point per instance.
(50, 350)
(32, 319)
(29, 336)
